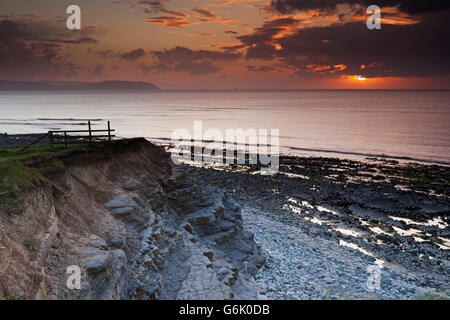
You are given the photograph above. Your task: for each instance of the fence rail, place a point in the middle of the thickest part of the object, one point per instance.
(62, 136)
(53, 137)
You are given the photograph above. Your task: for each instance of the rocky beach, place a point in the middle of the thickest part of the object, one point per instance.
(140, 227)
(322, 223)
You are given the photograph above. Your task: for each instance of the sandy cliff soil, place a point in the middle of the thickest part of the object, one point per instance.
(137, 227)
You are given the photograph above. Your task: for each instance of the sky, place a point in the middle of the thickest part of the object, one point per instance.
(227, 44)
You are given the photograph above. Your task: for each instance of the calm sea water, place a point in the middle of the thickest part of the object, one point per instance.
(346, 124)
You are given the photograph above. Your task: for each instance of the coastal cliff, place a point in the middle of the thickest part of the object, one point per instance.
(136, 226)
(139, 227)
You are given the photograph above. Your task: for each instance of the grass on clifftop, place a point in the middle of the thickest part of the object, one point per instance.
(21, 167)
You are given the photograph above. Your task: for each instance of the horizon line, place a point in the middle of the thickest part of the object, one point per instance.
(198, 89)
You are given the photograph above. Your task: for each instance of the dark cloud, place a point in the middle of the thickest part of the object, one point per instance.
(267, 31)
(395, 50)
(233, 48)
(194, 62)
(205, 13)
(402, 50)
(158, 68)
(98, 70)
(106, 53)
(407, 6)
(158, 7)
(183, 54)
(85, 40)
(155, 6)
(196, 68)
(230, 31)
(260, 42)
(260, 69)
(261, 51)
(133, 55)
(34, 49)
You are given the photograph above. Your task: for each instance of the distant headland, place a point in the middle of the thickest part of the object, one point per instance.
(6, 85)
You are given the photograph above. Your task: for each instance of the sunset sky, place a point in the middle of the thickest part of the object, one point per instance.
(225, 44)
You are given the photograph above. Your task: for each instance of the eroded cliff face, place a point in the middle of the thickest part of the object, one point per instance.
(138, 228)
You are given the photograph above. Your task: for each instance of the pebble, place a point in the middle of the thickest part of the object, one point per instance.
(326, 270)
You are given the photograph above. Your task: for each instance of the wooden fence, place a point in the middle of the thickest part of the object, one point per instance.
(55, 137)
(91, 135)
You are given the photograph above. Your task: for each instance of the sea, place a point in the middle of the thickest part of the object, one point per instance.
(408, 125)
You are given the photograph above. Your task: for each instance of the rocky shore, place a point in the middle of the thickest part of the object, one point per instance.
(139, 227)
(21, 140)
(322, 222)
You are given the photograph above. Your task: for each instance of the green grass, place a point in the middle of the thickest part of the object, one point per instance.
(30, 244)
(19, 168)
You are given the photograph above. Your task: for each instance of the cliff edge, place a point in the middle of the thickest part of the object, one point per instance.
(136, 226)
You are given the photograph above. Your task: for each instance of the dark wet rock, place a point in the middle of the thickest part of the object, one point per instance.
(97, 263)
(365, 196)
(187, 226)
(123, 211)
(131, 184)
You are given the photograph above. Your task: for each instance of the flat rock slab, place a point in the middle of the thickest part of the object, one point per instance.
(131, 184)
(123, 212)
(121, 202)
(201, 217)
(201, 282)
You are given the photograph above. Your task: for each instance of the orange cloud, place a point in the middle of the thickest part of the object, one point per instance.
(202, 35)
(339, 67)
(229, 2)
(389, 15)
(324, 68)
(170, 21)
(317, 68)
(176, 13)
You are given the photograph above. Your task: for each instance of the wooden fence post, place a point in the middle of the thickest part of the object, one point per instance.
(64, 136)
(6, 141)
(236, 154)
(90, 132)
(50, 137)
